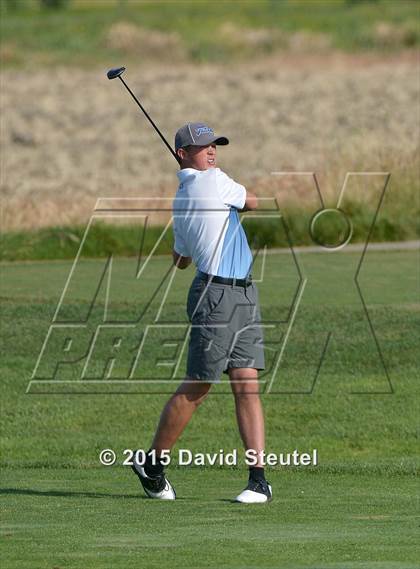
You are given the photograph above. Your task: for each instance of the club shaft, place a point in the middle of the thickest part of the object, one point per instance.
(150, 119)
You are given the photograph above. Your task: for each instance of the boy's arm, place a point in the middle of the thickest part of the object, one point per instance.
(251, 202)
(234, 194)
(180, 261)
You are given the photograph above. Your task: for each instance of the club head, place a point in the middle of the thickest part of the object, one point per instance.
(115, 72)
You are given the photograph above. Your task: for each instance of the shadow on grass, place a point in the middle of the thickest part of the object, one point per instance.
(68, 494)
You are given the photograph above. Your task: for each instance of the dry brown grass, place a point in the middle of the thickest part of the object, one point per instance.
(254, 41)
(151, 44)
(70, 136)
(386, 34)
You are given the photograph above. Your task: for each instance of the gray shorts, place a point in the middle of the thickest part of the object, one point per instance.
(225, 331)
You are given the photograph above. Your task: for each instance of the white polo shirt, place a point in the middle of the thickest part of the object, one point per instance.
(206, 223)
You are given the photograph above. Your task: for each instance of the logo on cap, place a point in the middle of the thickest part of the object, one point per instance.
(203, 130)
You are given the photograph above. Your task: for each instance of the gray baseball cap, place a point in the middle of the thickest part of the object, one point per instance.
(197, 134)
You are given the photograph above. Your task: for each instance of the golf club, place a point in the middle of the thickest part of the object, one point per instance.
(117, 72)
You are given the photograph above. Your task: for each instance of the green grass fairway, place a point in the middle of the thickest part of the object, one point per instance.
(356, 510)
(96, 518)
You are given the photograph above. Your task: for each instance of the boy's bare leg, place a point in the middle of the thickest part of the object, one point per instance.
(177, 413)
(250, 417)
(249, 411)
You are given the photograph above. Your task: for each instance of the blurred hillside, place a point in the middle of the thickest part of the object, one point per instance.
(295, 85)
(84, 32)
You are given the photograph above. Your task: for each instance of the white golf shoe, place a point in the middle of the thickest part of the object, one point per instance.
(257, 492)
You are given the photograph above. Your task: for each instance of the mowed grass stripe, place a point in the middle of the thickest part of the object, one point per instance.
(98, 518)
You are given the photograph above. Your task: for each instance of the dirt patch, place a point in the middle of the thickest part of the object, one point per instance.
(71, 136)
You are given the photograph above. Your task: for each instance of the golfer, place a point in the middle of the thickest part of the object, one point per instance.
(222, 306)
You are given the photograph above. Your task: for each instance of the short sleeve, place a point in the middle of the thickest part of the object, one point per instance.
(230, 191)
(180, 245)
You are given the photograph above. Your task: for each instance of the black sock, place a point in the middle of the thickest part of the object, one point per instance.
(256, 473)
(152, 467)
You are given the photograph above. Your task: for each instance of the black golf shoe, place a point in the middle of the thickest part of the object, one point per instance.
(157, 487)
